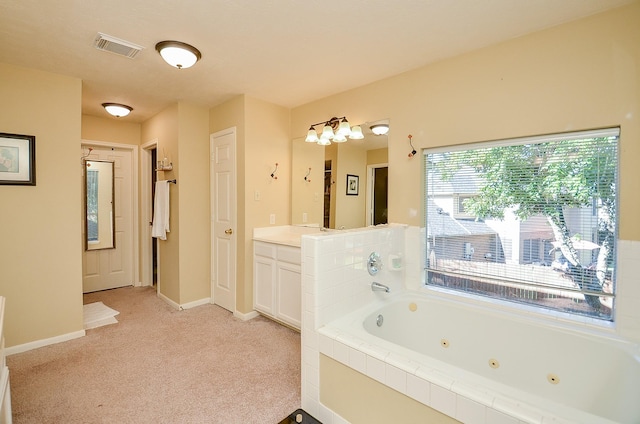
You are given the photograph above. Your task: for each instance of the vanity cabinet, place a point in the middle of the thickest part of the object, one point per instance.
(277, 282)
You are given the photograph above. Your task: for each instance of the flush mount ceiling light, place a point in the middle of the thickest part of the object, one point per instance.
(178, 54)
(380, 129)
(336, 130)
(116, 109)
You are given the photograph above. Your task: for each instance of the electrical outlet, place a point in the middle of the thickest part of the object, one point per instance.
(304, 217)
(272, 218)
(256, 196)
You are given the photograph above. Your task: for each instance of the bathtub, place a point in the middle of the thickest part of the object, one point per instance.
(533, 371)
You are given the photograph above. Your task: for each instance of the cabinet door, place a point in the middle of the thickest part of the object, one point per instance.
(264, 284)
(289, 299)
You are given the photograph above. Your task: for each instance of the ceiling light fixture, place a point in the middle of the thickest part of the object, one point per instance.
(336, 130)
(116, 109)
(178, 54)
(380, 129)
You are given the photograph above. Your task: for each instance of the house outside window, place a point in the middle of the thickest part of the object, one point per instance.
(530, 220)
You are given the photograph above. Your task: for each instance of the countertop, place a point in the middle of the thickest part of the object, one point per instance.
(289, 235)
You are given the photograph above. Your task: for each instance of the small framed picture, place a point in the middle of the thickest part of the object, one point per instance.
(17, 159)
(352, 185)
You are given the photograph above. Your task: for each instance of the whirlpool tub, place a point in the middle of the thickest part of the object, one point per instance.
(531, 370)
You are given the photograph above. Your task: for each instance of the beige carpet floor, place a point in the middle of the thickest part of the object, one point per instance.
(159, 365)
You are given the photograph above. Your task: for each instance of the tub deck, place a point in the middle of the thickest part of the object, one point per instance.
(530, 372)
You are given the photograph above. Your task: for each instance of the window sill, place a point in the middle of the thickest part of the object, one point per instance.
(516, 311)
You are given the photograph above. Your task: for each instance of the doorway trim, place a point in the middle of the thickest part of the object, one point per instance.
(135, 213)
(146, 167)
(370, 189)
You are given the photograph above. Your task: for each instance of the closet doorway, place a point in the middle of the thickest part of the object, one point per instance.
(150, 269)
(377, 194)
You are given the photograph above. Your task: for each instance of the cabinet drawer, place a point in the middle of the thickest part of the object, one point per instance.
(267, 250)
(289, 254)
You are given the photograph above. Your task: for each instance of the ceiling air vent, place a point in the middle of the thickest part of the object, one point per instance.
(115, 45)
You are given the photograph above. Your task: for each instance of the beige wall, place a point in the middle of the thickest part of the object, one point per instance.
(360, 406)
(165, 128)
(350, 210)
(377, 156)
(182, 132)
(41, 243)
(110, 130)
(307, 196)
(193, 185)
(580, 75)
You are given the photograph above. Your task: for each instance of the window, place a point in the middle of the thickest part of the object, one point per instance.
(531, 251)
(460, 211)
(530, 220)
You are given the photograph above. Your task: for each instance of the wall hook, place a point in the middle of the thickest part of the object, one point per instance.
(306, 177)
(273, 174)
(82, 159)
(413, 149)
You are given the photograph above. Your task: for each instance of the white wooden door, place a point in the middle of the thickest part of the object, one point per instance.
(223, 218)
(111, 268)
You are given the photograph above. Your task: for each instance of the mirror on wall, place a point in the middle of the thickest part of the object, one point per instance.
(99, 205)
(342, 185)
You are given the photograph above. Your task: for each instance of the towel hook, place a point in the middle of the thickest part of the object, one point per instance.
(413, 149)
(306, 177)
(82, 159)
(273, 174)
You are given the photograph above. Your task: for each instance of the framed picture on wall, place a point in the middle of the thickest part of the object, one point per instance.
(17, 159)
(352, 185)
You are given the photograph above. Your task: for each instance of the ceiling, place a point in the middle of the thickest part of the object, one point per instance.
(287, 52)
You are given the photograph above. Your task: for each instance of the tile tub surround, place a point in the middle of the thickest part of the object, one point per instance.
(335, 281)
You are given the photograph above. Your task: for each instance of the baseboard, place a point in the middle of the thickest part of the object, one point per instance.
(200, 302)
(247, 316)
(44, 342)
(188, 305)
(173, 304)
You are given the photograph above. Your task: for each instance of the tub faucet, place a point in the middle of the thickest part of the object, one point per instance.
(375, 286)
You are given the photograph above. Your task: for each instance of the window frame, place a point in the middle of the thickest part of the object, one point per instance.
(613, 132)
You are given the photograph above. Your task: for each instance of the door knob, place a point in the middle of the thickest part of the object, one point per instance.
(229, 231)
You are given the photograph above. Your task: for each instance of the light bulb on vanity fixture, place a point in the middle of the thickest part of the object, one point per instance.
(116, 109)
(336, 130)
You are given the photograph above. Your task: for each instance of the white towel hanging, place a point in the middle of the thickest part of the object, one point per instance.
(160, 226)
